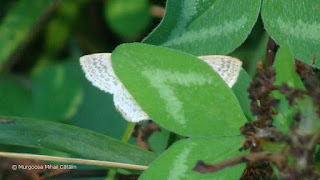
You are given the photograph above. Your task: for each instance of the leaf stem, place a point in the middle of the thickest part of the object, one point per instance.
(125, 138)
(127, 133)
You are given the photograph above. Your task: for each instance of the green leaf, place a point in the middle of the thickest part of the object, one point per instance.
(179, 160)
(178, 91)
(96, 110)
(128, 18)
(254, 49)
(296, 23)
(56, 93)
(15, 96)
(240, 90)
(159, 140)
(285, 73)
(284, 65)
(205, 27)
(18, 23)
(72, 140)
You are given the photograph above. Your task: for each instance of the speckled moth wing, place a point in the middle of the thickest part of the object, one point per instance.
(227, 67)
(128, 107)
(99, 71)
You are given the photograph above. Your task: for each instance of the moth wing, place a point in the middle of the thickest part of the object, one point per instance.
(98, 70)
(127, 106)
(227, 67)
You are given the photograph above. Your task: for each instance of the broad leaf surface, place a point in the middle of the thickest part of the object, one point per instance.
(18, 23)
(296, 23)
(56, 93)
(178, 91)
(285, 73)
(205, 27)
(240, 90)
(72, 140)
(179, 160)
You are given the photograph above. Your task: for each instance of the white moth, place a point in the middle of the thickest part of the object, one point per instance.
(98, 70)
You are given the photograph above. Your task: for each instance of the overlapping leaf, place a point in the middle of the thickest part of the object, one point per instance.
(296, 23)
(179, 160)
(178, 91)
(205, 27)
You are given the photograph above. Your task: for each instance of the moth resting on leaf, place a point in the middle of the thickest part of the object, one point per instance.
(98, 70)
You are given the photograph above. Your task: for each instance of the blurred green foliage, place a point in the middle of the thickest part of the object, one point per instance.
(41, 43)
(128, 18)
(19, 23)
(41, 78)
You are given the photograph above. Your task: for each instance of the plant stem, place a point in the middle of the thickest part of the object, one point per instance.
(125, 138)
(127, 133)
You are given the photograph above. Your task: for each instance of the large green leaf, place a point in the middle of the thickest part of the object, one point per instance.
(70, 139)
(205, 27)
(285, 73)
(177, 162)
(297, 23)
(56, 92)
(178, 91)
(18, 23)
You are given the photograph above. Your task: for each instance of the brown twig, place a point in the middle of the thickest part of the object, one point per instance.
(143, 133)
(279, 160)
(313, 59)
(271, 52)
